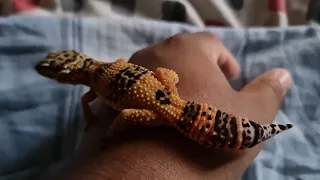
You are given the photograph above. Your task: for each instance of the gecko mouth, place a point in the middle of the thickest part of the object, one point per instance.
(46, 70)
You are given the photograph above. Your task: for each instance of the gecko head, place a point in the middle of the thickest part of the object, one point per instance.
(66, 67)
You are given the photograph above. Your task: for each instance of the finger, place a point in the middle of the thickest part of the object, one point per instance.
(229, 66)
(269, 89)
(219, 53)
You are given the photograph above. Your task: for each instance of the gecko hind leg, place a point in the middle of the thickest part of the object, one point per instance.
(89, 117)
(168, 78)
(127, 117)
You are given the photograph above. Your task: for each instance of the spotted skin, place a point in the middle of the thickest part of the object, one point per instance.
(151, 98)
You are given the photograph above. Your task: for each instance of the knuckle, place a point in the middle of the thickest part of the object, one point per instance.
(136, 54)
(214, 38)
(210, 36)
(176, 39)
(143, 54)
(182, 38)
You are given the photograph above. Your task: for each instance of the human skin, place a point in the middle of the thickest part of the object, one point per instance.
(204, 67)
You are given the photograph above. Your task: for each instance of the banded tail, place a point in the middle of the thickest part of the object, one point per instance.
(211, 127)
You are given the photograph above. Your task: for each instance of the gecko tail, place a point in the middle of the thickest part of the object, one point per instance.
(266, 131)
(271, 130)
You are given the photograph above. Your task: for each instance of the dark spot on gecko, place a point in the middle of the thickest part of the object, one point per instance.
(225, 119)
(261, 132)
(208, 125)
(189, 115)
(130, 83)
(201, 129)
(159, 94)
(273, 130)
(165, 101)
(224, 125)
(248, 138)
(248, 131)
(264, 127)
(162, 97)
(69, 61)
(234, 132)
(245, 124)
(168, 93)
(224, 133)
(210, 108)
(203, 113)
(256, 133)
(289, 125)
(185, 111)
(100, 70)
(137, 77)
(217, 121)
(209, 117)
(129, 74)
(66, 55)
(243, 144)
(191, 107)
(282, 127)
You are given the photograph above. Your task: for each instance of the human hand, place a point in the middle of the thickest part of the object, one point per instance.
(204, 66)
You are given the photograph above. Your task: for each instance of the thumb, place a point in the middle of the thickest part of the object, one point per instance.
(269, 88)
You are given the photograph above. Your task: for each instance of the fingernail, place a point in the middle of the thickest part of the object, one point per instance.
(285, 81)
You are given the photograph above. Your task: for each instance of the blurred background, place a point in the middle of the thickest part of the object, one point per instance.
(234, 13)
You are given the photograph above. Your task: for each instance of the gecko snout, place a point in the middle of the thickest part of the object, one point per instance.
(45, 69)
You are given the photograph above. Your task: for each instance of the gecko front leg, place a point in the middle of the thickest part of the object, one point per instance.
(89, 117)
(168, 78)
